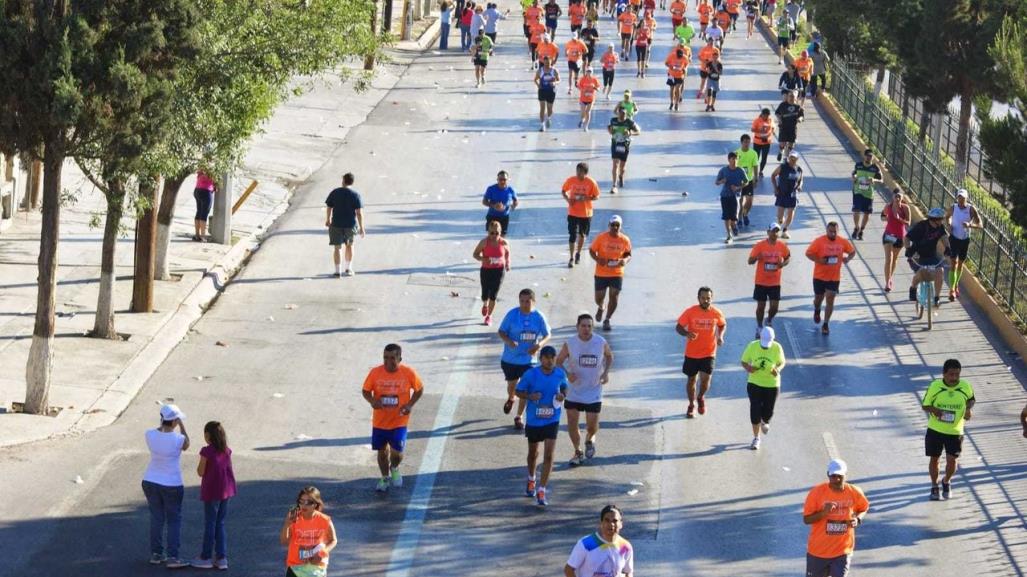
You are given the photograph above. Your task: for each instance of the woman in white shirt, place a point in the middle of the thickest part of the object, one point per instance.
(163, 486)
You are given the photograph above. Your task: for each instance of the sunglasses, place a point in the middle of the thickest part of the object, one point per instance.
(493, 234)
(614, 225)
(306, 503)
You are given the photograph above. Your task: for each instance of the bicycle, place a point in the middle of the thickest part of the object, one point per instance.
(925, 293)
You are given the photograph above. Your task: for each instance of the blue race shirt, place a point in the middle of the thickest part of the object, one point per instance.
(494, 194)
(735, 177)
(526, 330)
(542, 412)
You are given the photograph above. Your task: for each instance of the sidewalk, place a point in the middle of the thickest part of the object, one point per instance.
(95, 380)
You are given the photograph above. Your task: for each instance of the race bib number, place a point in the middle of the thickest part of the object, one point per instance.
(309, 552)
(581, 197)
(947, 417)
(832, 260)
(890, 238)
(588, 361)
(620, 148)
(545, 412)
(390, 401)
(837, 527)
(528, 337)
(770, 266)
(613, 263)
(495, 260)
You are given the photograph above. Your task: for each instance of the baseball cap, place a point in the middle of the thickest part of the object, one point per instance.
(962, 193)
(627, 93)
(616, 218)
(793, 154)
(837, 467)
(171, 412)
(766, 337)
(773, 226)
(547, 351)
(936, 213)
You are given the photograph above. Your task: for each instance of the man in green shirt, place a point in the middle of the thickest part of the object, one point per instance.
(749, 161)
(948, 403)
(480, 53)
(684, 32)
(763, 359)
(864, 177)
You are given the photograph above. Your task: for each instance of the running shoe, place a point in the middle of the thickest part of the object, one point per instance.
(156, 559)
(577, 460)
(202, 563)
(755, 445)
(542, 128)
(859, 235)
(577, 257)
(396, 478)
(337, 274)
(946, 491)
(937, 302)
(549, 121)
(382, 486)
(570, 263)
(888, 286)
(824, 329)
(727, 240)
(935, 493)
(613, 190)
(484, 310)
(676, 104)
(540, 497)
(175, 563)
(488, 320)
(816, 317)
(518, 423)
(590, 449)
(734, 229)
(580, 122)
(745, 220)
(765, 427)
(698, 96)
(221, 564)
(784, 234)
(507, 406)
(713, 108)
(530, 489)
(758, 332)
(690, 413)
(702, 406)
(599, 314)
(606, 325)
(912, 294)
(952, 296)
(671, 107)
(350, 272)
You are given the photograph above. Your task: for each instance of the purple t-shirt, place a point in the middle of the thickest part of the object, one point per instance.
(218, 481)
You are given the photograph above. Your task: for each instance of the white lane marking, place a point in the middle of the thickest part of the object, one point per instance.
(793, 343)
(403, 551)
(832, 449)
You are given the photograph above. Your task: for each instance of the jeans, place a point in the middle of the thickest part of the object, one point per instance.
(165, 507)
(444, 37)
(214, 513)
(465, 37)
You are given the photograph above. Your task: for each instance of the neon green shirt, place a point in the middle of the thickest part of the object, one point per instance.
(763, 360)
(685, 32)
(784, 27)
(865, 176)
(748, 161)
(952, 401)
(525, 4)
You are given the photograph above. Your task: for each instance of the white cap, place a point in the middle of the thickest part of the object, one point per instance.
(766, 337)
(963, 193)
(837, 467)
(171, 412)
(793, 154)
(773, 226)
(616, 218)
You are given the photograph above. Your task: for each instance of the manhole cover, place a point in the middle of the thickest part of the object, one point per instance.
(443, 280)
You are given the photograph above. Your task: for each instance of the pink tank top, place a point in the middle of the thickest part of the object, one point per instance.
(493, 256)
(895, 227)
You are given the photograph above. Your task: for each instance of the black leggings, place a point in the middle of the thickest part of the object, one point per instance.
(763, 150)
(761, 403)
(204, 198)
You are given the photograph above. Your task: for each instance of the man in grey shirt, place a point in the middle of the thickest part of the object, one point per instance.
(793, 9)
(492, 18)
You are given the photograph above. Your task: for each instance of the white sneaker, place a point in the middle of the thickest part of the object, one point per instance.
(765, 427)
(542, 128)
(350, 272)
(202, 563)
(382, 486)
(549, 121)
(728, 240)
(784, 234)
(397, 479)
(755, 446)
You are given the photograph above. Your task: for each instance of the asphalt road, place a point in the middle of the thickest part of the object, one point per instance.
(697, 501)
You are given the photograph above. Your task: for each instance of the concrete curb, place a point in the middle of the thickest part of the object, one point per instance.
(1005, 326)
(425, 41)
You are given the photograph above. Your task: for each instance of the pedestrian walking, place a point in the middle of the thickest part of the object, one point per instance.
(833, 510)
(604, 552)
(493, 252)
(392, 389)
(164, 488)
(217, 486)
(309, 535)
(344, 218)
(204, 193)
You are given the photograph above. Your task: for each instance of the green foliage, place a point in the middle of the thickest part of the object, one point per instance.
(864, 31)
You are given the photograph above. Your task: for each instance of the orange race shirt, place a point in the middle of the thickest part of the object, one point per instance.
(768, 261)
(706, 54)
(705, 324)
(676, 66)
(704, 13)
(609, 60)
(588, 85)
(804, 66)
(549, 50)
(733, 5)
(635, 2)
(536, 29)
(609, 248)
(577, 14)
(833, 536)
(835, 250)
(627, 22)
(532, 14)
(574, 50)
(762, 130)
(582, 191)
(677, 10)
(723, 19)
(650, 22)
(306, 534)
(395, 390)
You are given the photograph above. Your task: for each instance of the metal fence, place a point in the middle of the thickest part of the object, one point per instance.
(998, 256)
(945, 129)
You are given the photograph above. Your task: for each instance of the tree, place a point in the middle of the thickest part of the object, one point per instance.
(233, 86)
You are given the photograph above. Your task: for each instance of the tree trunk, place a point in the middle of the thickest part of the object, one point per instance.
(963, 138)
(103, 328)
(387, 18)
(146, 237)
(35, 180)
(165, 216)
(39, 369)
(375, 28)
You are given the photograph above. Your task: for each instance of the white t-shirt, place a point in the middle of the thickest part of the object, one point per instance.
(165, 454)
(593, 557)
(587, 361)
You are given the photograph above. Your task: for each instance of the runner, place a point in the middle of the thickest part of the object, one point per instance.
(677, 67)
(705, 12)
(731, 180)
(723, 20)
(577, 12)
(864, 177)
(392, 389)
(706, 55)
(344, 218)
(609, 61)
(897, 217)
(546, 79)
(628, 19)
(523, 331)
(501, 200)
(642, 40)
(493, 252)
(763, 134)
(703, 326)
(629, 106)
(961, 216)
(792, 9)
(579, 191)
(677, 15)
(734, 8)
(575, 51)
(752, 12)
(480, 53)
(532, 15)
(603, 553)
(748, 160)
(1023, 420)
(804, 67)
(548, 48)
(928, 240)
(590, 359)
(784, 29)
(552, 13)
(544, 388)
(787, 181)
(308, 534)
(789, 115)
(828, 253)
(536, 31)
(833, 510)
(763, 360)
(820, 62)
(649, 23)
(684, 33)
(949, 403)
(611, 251)
(769, 256)
(714, 70)
(590, 35)
(588, 86)
(621, 130)
(715, 33)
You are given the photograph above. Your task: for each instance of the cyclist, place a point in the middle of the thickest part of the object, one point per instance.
(924, 240)
(961, 216)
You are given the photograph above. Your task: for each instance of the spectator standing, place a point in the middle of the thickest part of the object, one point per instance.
(217, 486)
(163, 486)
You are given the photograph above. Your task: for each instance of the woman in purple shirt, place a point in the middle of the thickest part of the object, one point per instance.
(216, 488)
(204, 195)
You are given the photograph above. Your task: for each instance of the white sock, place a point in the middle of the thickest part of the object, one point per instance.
(338, 268)
(349, 265)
